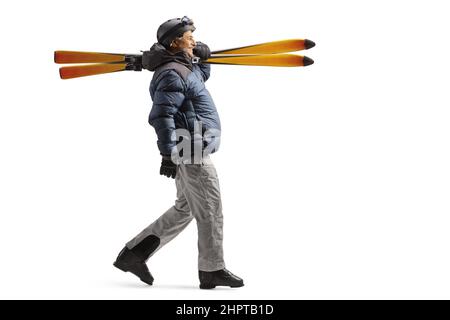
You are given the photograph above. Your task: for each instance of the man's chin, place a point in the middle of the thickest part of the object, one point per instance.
(189, 52)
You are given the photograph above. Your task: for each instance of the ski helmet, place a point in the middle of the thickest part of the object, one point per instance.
(172, 29)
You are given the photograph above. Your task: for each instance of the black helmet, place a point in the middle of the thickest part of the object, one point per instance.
(172, 29)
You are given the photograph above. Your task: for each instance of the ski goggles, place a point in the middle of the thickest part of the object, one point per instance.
(186, 21)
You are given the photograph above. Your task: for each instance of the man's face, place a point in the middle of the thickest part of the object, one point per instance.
(185, 43)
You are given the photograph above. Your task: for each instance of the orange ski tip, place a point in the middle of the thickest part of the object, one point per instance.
(58, 56)
(309, 44)
(65, 73)
(307, 61)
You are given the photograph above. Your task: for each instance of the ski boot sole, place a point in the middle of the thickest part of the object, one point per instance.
(124, 269)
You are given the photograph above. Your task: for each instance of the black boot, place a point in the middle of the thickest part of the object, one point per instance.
(134, 260)
(209, 280)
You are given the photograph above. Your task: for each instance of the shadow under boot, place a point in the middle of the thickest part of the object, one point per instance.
(209, 280)
(133, 260)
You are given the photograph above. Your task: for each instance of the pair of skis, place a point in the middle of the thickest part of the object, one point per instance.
(264, 54)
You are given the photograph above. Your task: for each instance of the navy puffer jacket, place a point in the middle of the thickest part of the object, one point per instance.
(179, 98)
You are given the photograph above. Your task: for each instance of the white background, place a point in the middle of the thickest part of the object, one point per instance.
(334, 177)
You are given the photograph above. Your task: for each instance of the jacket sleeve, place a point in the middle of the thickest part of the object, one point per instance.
(205, 70)
(167, 99)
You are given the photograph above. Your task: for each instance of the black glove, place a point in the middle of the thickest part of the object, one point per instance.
(168, 168)
(202, 51)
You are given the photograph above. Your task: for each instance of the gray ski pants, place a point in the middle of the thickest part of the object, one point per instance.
(198, 196)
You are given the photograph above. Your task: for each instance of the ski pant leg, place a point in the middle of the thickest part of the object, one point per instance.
(171, 223)
(202, 192)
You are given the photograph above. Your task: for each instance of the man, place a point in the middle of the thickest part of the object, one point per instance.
(181, 102)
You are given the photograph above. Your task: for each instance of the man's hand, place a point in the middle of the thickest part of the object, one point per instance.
(202, 51)
(168, 168)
